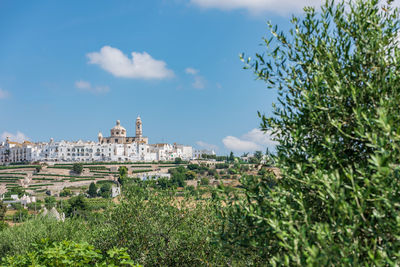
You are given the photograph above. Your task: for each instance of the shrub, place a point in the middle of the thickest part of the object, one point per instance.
(20, 216)
(190, 175)
(77, 168)
(156, 232)
(69, 253)
(204, 181)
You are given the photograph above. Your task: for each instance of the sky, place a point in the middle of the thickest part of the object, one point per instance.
(69, 69)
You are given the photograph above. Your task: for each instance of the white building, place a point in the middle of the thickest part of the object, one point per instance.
(117, 147)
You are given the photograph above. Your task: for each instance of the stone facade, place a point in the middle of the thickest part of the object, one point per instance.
(117, 147)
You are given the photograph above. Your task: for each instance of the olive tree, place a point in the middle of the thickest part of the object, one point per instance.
(337, 122)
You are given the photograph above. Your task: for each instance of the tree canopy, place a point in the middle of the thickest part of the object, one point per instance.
(337, 121)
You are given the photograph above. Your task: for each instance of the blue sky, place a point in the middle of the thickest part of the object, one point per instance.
(69, 69)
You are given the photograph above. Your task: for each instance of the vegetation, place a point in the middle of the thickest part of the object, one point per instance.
(69, 253)
(77, 168)
(92, 192)
(3, 209)
(337, 200)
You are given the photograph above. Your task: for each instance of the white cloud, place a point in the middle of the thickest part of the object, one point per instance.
(251, 141)
(140, 66)
(206, 145)
(191, 71)
(4, 94)
(259, 137)
(18, 137)
(86, 86)
(199, 82)
(257, 6)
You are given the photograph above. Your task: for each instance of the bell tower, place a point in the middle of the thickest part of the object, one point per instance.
(139, 132)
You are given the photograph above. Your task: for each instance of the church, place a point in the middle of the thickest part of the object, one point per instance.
(118, 135)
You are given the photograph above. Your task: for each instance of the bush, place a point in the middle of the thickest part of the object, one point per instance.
(222, 166)
(158, 233)
(66, 192)
(193, 166)
(77, 168)
(50, 202)
(190, 175)
(204, 181)
(105, 190)
(69, 253)
(3, 225)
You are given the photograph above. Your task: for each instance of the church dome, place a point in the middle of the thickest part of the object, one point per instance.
(118, 130)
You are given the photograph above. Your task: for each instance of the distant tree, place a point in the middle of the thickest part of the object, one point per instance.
(38, 168)
(77, 206)
(122, 175)
(50, 202)
(192, 166)
(105, 190)
(190, 175)
(191, 189)
(258, 155)
(92, 192)
(178, 180)
(205, 181)
(77, 168)
(122, 171)
(212, 172)
(231, 157)
(3, 209)
(66, 192)
(178, 161)
(163, 183)
(20, 216)
(256, 158)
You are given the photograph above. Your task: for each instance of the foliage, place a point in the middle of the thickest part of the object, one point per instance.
(66, 192)
(20, 216)
(178, 161)
(69, 253)
(20, 239)
(50, 202)
(159, 231)
(105, 190)
(3, 209)
(3, 225)
(122, 174)
(77, 168)
(337, 201)
(16, 191)
(193, 166)
(190, 175)
(256, 158)
(222, 166)
(204, 181)
(76, 206)
(231, 157)
(92, 191)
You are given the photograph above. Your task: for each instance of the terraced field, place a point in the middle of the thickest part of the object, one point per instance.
(58, 176)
